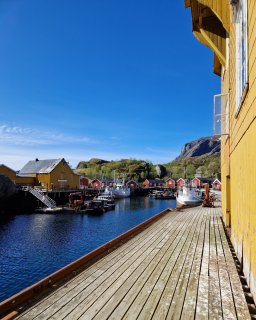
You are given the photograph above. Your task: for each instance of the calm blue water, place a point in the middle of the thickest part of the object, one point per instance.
(35, 245)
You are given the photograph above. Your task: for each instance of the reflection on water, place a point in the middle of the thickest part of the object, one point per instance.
(33, 246)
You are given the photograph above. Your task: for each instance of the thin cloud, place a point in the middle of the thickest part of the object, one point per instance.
(17, 135)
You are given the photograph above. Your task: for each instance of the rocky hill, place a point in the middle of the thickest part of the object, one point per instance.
(206, 146)
(203, 154)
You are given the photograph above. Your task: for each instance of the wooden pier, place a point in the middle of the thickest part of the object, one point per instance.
(180, 267)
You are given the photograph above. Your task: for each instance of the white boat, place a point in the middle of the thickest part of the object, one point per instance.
(120, 191)
(189, 196)
(107, 198)
(49, 210)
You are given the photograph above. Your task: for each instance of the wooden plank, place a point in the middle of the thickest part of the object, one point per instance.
(190, 302)
(146, 301)
(177, 273)
(202, 309)
(186, 291)
(228, 308)
(91, 274)
(187, 3)
(129, 298)
(112, 297)
(215, 311)
(251, 18)
(242, 311)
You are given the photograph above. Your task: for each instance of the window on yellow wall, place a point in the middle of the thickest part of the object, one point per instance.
(241, 52)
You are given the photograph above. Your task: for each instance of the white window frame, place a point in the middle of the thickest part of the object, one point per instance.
(221, 115)
(241, 52)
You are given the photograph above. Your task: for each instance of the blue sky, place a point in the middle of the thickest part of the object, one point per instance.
(110, 79)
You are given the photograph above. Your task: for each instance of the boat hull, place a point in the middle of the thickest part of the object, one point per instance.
(183, 201)
(121, 196)
(121, 193)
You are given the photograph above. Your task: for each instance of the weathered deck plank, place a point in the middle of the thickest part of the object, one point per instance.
(179, 293)
(228, 308)
(148, 289)
(242, 311)
(215, 304)
(202, 308)
(180, 267)
(189, 306)
(139, 277)
(123, 298)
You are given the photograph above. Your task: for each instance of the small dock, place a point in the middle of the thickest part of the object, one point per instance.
(180, 267)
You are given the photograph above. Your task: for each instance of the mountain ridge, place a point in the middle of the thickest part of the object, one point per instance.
(205, 146)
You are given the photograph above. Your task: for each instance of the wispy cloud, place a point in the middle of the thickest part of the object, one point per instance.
(16, 135)
(20, 144)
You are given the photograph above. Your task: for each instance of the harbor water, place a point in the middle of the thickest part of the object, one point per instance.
(33, 246)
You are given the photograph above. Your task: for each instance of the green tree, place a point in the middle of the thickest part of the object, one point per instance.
(191, 170)
(213, 168)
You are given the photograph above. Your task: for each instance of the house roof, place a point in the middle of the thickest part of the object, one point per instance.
(217, 181)
(39, 166)
(3, 165)
(196, 178)
(206, 180)
(133, 181)
(103, 180)
(154, 180)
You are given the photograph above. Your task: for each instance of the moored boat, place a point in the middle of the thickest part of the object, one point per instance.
(107, 198)
(189, 196)
(120, 191)
(49, 210)
(162, 195)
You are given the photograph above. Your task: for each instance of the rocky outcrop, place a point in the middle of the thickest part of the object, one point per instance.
(160, 170)
(201, 147)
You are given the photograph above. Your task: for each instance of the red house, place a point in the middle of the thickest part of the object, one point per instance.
(159, 183)
(150, 183)
(132, 184)
(95, 184)
(170, 183)
(196, 182)
(180, 182)
(216, 185)
(83, 182)
(101, 183)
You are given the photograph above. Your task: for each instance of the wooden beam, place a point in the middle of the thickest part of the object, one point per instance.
(221, 9)
(187, 3)
(200, 38)
(216, 65)
(213, 46)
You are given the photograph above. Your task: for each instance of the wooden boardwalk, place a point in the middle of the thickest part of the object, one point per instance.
(180, 267)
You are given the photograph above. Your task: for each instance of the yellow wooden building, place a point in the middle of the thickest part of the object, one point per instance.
(228, 28)
(8, 172)
(50, 174)
(18, 180)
